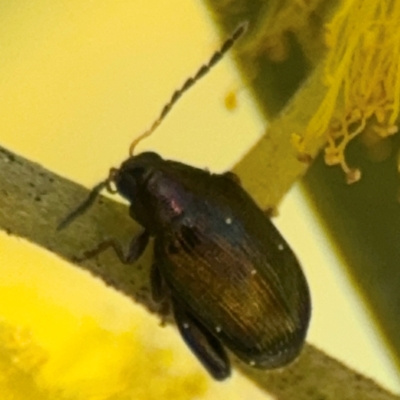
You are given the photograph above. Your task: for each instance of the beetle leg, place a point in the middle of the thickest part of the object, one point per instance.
(271, 212)
(232, 176)
(159, 292)
(164, 311)
(203, 344)
(136, 248)
(158, 286)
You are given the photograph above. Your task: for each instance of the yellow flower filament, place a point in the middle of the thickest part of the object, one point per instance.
(362, 72)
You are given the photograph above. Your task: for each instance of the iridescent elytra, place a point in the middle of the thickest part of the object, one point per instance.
(230, 277)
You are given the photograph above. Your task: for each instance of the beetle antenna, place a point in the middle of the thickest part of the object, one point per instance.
(84, 205)
(204, 69)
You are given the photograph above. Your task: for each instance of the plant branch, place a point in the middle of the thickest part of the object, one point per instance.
(34, 200)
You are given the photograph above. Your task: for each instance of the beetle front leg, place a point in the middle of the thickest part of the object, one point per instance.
(135, 250)
(203, 344)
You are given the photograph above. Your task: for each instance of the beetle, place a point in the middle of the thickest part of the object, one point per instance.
(232, 280)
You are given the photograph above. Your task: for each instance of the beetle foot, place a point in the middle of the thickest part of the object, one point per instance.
(164, 311)
(271, 212)
(233, 177)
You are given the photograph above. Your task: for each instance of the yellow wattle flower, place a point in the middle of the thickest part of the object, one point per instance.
(362, 72)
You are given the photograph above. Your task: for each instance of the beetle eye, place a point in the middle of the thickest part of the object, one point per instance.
(131, 180)
(137, 173)
(128, 182)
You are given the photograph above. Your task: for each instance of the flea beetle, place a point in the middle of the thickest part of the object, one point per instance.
(231, 279)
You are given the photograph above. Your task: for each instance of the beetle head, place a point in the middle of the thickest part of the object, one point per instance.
(131, 177)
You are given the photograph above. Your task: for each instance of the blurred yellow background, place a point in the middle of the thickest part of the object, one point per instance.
(78, 81)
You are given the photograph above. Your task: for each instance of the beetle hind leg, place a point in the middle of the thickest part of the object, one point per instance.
(233, 177)
(203, 344)
(159, 289)
(159, 293)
